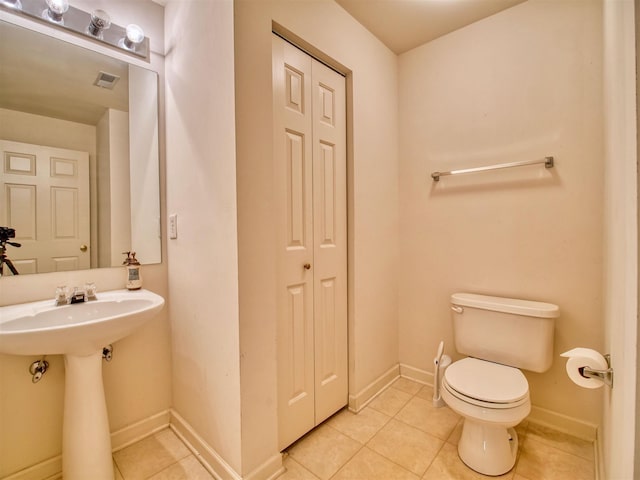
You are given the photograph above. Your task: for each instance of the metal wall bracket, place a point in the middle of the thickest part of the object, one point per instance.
(37, 369)
(605, 375)
(107, 353)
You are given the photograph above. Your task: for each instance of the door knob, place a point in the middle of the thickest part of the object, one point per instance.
(307, 266)
(83, 248)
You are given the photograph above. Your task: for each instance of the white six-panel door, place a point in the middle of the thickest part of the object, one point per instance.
(310, 152)
(45, 198)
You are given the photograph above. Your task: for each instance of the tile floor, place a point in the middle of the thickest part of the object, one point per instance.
(398, 436)
(161, 456)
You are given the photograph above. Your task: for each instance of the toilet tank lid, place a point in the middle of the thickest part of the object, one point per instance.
(506, 305)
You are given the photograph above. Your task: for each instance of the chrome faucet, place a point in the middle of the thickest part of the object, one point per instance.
(79, 295)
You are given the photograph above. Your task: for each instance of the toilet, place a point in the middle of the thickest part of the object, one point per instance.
(500, 336)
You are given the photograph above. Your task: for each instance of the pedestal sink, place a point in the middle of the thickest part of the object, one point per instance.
(79, 332)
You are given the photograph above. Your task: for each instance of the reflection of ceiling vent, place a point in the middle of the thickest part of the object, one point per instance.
(106, 80)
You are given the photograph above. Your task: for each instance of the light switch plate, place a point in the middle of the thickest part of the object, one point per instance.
(173, 225)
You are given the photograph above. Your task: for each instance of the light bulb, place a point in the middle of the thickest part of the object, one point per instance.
(55, 10)
(135, 36)
(16, 4)
(100, 21)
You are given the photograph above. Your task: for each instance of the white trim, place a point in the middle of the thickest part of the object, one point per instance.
(213, 462)
(135, 432)
(598, 460)
(51, 469)
(269, 470)
(206, 455)
(620, 286)
(416, 374)
(360, 400)
(563, 423)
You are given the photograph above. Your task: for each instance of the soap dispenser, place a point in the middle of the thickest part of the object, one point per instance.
(134, 276)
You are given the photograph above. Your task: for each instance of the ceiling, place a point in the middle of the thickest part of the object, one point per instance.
(44, 77)
(405, 24)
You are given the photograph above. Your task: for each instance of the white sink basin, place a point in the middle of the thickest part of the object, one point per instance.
(79, 331)
(41, 328)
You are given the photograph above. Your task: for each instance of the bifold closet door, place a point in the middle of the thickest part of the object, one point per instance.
(310, 191)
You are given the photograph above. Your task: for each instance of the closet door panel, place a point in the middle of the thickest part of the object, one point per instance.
(293, 190)
(330, 241)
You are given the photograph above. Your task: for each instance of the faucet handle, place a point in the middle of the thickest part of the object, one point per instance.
(61, 295)
(90, 290)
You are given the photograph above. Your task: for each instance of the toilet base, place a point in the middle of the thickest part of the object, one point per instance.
(488, 449)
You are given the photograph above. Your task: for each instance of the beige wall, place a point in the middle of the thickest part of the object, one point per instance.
(201, 190)
(137, 381)
(114, 199)
(520, 85)
(47, 131)
(331, 34)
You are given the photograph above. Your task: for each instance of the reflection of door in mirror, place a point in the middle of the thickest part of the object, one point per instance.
(46, 200)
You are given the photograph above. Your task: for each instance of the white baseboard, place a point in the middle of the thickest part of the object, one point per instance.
(213, 462)
(51, 469)
(563, 423)
(416, 374)
(269, 470)
(209, 458)
(137, 431)
(360, 400)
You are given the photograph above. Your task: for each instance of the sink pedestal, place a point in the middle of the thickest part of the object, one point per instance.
(86, 439)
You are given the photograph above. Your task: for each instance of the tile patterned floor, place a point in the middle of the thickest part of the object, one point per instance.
(398, 436)
(161, 456)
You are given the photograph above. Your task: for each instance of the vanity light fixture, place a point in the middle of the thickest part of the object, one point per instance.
(133, 38)
(55, 10)
(97, 25)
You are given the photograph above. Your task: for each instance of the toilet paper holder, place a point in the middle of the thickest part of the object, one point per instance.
(605, 375)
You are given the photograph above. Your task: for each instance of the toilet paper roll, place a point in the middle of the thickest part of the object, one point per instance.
(584, 357)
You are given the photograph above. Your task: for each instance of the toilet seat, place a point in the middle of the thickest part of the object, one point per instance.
(486, 384)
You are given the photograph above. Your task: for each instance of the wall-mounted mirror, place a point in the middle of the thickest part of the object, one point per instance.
(79, 179)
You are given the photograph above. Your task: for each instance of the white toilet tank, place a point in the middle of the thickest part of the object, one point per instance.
(512, 332)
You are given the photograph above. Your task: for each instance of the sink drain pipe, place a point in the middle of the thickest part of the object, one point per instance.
(37, 369)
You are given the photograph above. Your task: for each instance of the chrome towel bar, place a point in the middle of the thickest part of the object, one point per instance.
(547, 161)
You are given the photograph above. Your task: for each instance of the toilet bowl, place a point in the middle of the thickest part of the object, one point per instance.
(492, 398)
(499, 336)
